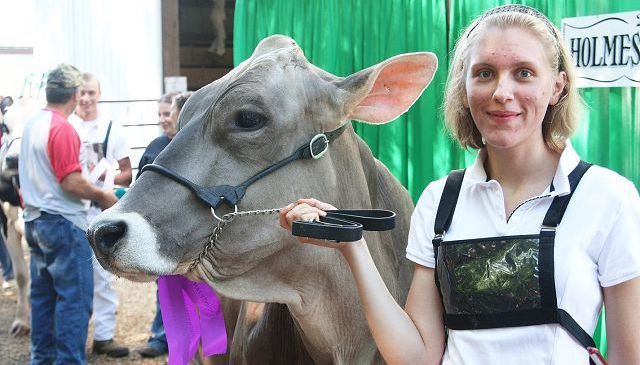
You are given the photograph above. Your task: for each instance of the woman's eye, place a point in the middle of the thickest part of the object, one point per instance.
(525, 74)
(249, 120)
(484, 74)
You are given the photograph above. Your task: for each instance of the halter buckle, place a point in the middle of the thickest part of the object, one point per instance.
(320, 138)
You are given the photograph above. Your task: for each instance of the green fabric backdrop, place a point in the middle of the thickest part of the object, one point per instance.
(344, 36)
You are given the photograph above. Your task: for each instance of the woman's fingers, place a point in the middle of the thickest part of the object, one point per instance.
(303, 212)
(316, 203)
(283, 216)
(307, 210)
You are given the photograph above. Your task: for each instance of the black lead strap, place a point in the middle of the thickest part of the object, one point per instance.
(345, 225)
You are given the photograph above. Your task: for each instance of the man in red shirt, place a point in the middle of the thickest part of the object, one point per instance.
(53, 190)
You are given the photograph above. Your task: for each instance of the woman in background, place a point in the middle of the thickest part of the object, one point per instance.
(169, 106)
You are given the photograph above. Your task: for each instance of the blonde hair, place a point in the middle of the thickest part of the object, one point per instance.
(561, 119)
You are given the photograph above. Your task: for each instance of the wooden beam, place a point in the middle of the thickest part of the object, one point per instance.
(170, 38)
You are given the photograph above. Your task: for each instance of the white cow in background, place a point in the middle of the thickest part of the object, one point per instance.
(14, 120)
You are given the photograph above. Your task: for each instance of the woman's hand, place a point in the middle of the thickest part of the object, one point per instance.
(307, 210)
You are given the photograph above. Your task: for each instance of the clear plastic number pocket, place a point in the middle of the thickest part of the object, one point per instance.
(490, 275)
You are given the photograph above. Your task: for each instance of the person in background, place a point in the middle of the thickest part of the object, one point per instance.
(169, 106)
(8, 277)
(55, 215)
(169, 130)
(104, 149)
(538, 240)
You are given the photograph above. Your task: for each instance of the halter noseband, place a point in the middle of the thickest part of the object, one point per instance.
(214, 196)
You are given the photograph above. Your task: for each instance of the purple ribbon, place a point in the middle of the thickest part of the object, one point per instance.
(191, 312)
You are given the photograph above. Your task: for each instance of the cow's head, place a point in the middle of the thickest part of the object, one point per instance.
(256, 115)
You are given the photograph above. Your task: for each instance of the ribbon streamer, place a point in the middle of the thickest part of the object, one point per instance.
(191, 314)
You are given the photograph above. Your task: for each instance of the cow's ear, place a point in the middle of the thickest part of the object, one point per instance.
(383, 92)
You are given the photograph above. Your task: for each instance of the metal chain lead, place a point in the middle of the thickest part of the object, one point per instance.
(226, 219)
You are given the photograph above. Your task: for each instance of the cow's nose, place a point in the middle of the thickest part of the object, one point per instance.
(105, 235)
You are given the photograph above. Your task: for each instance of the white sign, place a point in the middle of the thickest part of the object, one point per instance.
(605, 48)
(174, 84)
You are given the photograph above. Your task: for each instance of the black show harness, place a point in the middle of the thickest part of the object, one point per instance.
(499, 282)
(338, 225)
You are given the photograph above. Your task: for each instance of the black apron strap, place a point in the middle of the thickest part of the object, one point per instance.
(521, 318)
(444, 215)
(560, 203)
(546, 270)
(566, 321)
(448, 201)
(547, 238)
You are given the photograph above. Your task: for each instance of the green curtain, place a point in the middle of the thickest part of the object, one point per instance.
(345, 36)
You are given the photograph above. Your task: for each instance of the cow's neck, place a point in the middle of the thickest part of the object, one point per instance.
(345, 338)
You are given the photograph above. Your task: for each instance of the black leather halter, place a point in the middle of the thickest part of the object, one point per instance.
(214, 196)
(338, 225)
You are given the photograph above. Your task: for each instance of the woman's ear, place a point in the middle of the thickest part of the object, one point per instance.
(558, 87)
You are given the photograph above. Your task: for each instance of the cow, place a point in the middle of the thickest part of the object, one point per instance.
(252, 118)
(13, 230)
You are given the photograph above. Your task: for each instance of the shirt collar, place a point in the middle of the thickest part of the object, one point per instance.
(569, 159)
(568, 162)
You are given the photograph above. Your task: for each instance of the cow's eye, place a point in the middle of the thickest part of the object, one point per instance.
(247, 120)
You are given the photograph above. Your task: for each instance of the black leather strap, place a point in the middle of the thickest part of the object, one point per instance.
(345, 225)
(213, 196)
(231, 195)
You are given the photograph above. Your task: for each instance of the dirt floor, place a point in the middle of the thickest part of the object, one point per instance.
(135, 313)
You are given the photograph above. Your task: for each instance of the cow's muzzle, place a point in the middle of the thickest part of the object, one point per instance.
(105, 235)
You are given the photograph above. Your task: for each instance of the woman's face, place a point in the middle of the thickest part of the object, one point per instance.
(509, 86)
(165, 121)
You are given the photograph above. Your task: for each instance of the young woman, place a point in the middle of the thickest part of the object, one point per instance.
(516, 254)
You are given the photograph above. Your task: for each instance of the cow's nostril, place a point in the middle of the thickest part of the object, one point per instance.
(106, 234)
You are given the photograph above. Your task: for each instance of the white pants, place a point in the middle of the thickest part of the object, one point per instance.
(105, 302)
(105, 299)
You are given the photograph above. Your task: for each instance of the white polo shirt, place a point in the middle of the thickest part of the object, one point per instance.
(597, 245)
(92, 133)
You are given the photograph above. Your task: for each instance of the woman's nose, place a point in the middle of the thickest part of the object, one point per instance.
(503, 91)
